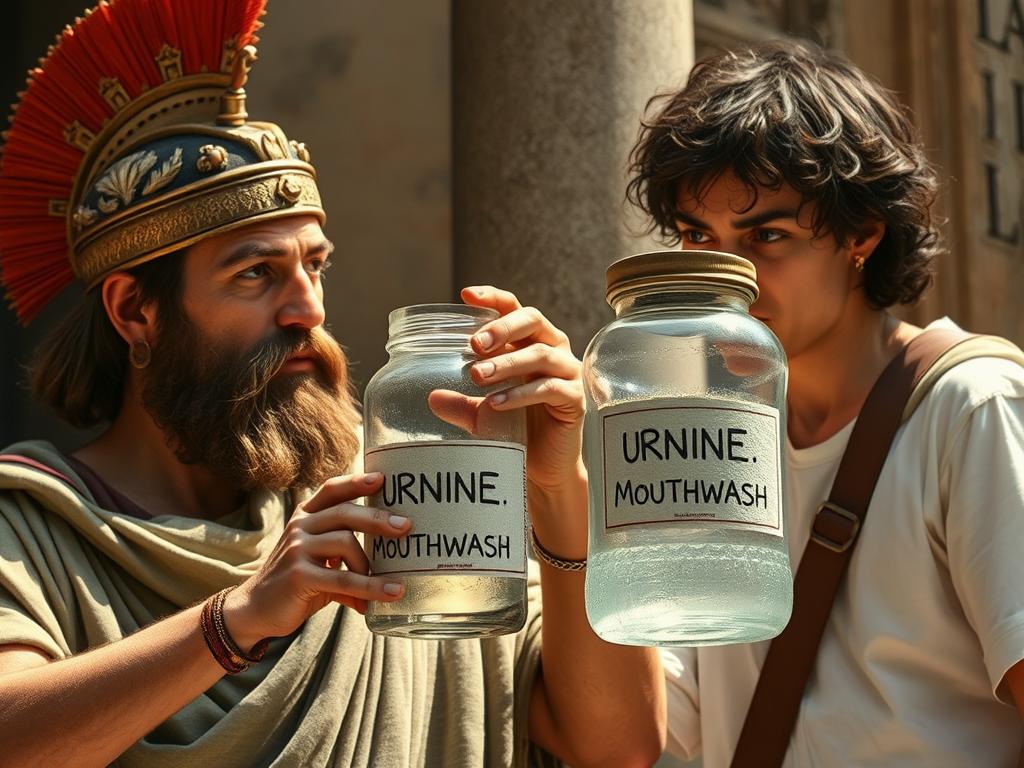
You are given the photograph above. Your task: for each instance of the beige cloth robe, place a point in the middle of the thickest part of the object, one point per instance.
(74, 575)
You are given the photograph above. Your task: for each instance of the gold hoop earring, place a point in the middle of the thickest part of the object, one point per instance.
(858, 263)
(139, 354)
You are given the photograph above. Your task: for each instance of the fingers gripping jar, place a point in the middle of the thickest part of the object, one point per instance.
(685, 411)
(457, 471)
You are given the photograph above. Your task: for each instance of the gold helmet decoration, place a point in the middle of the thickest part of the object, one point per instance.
(132, 141)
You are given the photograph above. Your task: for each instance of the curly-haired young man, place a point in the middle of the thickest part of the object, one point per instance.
(793, 158)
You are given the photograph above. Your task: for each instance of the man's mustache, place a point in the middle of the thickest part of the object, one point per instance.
(271, 353)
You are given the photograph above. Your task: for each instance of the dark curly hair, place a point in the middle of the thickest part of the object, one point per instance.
(789, 113)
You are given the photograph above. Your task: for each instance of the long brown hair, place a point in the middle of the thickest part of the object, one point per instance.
(787, 113)
(80, 368)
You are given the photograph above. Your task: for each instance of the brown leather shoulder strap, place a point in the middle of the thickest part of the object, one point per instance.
(780, 687)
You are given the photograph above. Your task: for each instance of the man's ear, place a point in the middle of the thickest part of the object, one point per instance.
(863, 244)
(133, 319)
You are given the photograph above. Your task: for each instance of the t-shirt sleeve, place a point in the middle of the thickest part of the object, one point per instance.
(984, 478)
(680, 665)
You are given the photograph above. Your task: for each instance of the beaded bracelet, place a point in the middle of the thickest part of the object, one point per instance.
(221, 645)
(554, 560)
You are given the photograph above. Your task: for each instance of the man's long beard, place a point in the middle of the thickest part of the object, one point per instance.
(226, 411)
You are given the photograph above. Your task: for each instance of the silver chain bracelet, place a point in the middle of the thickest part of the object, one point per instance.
(553, 560)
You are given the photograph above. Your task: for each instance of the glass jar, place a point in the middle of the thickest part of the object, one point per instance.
(682, 441)
(464, 562)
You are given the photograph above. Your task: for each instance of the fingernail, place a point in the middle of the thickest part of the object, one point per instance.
(475, 289)
(371, 477)
(485, 340)
(499, 398)
(485, 369)
(393, 589)
(398, 521)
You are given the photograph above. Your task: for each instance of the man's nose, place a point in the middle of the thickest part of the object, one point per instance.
(303, 305)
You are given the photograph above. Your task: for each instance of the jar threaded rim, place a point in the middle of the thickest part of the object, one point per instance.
(436, 322)
(681, 267)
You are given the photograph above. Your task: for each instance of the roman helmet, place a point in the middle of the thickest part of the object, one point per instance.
(131, 141)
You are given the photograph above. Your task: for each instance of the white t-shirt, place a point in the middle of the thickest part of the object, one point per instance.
(930, 615)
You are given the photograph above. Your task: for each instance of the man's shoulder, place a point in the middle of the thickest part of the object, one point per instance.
(34, 461)
(986, 392)
(979, 379)
(989, 385)
(37, 486)
(32, 452)
(985, 370)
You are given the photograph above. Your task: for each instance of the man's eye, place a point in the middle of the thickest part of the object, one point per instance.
(255, 272)
(319, 266)
(694, 236)
(768, 235)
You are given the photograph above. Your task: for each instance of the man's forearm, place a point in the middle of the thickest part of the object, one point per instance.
(88, 709)
(603, 703)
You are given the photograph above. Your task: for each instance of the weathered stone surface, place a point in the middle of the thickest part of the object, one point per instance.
(960, 66)
(547, 100)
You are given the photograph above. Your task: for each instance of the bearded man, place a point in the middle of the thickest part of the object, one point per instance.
(172, 593)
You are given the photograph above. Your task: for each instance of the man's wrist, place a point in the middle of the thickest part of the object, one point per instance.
(559, 516)
(574, 482)
(545, 555)
(238, 623)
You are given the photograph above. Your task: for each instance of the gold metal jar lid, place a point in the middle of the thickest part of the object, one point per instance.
(676, 267)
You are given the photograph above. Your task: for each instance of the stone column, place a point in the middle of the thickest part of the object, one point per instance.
(547, 98)
(960, 67)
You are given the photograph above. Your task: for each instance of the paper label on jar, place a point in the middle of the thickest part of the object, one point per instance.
(692, 461)
(467, 503)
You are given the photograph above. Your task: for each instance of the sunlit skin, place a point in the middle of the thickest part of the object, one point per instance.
(242, 291)
(811, 297)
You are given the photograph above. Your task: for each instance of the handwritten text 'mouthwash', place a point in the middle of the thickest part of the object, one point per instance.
(689, 445)
(441, 545)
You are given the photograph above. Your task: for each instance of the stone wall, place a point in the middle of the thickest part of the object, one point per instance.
(960, 67)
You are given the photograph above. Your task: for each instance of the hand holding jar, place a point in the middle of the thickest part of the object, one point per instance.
(524, 345)
(446, 423)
